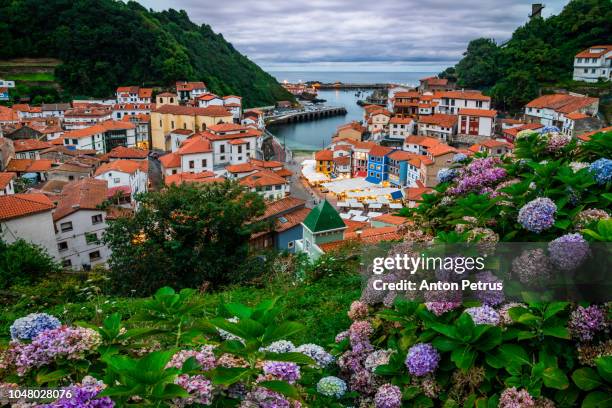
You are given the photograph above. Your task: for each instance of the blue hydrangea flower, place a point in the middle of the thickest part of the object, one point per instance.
(601, 170)
(484, 315)
(30, 326)
(317, 353)
(422, 359)
(568, 251)
(445, 175)
(280, 346)
(538, 215)
(331, 387)
(459, 157)
(549, 129)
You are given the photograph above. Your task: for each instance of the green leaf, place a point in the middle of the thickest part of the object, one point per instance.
(169, 391)
(445, 344)
(282, 331)
(514, 353)
(597, 399)
(604, 367)
(562, 224)
(465, 326)
(463, 357)
(555, 378)
(282, 388)
(43, 378)
(447, 330)
(122, 391)
(553, 308)
(558, 331)
(297, 358)
(239, 310)
(228, 376)
(494, 360)
(586, 379)
(251, 328)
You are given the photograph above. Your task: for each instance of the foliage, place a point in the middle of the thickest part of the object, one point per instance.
(24, 263)
(106, 43)
(540, 52)
(185, 235)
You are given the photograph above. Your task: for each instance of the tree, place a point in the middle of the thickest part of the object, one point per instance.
(478, 68)
(184, 236)
(24, 263)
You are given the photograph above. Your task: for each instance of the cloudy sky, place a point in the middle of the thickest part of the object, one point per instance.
(356, 35)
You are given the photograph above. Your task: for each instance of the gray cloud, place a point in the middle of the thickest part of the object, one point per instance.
(386, 34)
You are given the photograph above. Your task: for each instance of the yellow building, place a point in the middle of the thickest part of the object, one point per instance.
(167, 118)
(324, 160)
(353, 131)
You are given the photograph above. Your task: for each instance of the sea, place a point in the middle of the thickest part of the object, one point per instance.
(316, 134)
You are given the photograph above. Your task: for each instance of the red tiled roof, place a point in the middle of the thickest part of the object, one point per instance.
(122, 165)
(416, 193)
(283, 172)
(468, 95)
(587, 54)
(435, 81)
(237, 142)
(421, 140)
(21, 205)
(324, 155)
(211, 111)
(122, 152)
(170, 160)
(490, 143)
(208, 97)
(367, 236)
(400, 155)
(26, 145)
(352, 125)
(262, 178)
(85, 194)
(478, 112)
(280, 206)
(440, 149)
(29, 165)
(266, 164)
(380, 150)
(587, 136)
(529, 126)
(194, 145)
(400, 121)
(391, 219)
(180, 178)
(439, 119)
(576, 116)
(189, 86)
(240, 168)
(342, 160)
(102, 127)
(8, 114)
(6, 177)
(562, 103)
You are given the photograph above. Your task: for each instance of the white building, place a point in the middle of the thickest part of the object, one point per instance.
(134, 95)
(190, 90)
(80, 224)
(449, 102)
(399, 127)
(550, 110)
(128, 176)
(209, 99)
(28, 217)
(225, 153)
(440, 126)
(593, 63)
(266, 183)
(477, 122)
(196, 155)
(102, 137)
(85, 117)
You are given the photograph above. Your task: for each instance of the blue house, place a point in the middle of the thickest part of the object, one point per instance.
(284, 218)
(403, 168)
(378, 164)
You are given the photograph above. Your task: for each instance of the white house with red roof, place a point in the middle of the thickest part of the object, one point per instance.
(170, 164)
(233, 104)
(400, 127)
(190, 90)
(439, 125)
(7, 182)
(254, 117)
(449, 102)
(593, 63)
(129, 177)
(134, 95)
(196, 154)
(266, 183)
(79, 118)
(28, 217)
(477, 122)
(177, 137)
(102, 137)
(209, 99)
(29, 148)
(550, 110)
(121, 110)
(244, 146)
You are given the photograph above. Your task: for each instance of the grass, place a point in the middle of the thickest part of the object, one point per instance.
(32, 77)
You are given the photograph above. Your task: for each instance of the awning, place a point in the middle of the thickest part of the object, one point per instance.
(345, 216)
(396, 206)
(375, 205)
(342, 204)
(360, 218)
(397, 195)
(374, 214)
(356, 205)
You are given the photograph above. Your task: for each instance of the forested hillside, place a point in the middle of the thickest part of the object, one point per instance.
(106, 43)
(539, 53)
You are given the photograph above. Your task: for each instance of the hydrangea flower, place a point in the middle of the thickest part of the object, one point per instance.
(568, 251)
(331, 387)
(225, 335)
(280, 346)
(549, 129)
(483, 315)
(71, 343)
(388, 396)
(342, 336)
(557, 141)
(590, 216)
(362, 382)
(538, 215)
(532, 266)
(200, 390)
(601, 170)
(585, 322)
(441, 301)
(479, 174)
(445, 175)
(513, 398)
(205, 358)
(282, 370)
(83, 395)
(489, 297)
(577, 166)
(459, 157)
(358, 310)
(360, 331)
(30, 326)
(422, 359)
(504, 313)
(262, 397)
(317, 353)
(377, 358)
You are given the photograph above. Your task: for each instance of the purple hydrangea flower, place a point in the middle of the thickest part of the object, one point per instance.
(362, 382)
(441, 301)
(377, 358)
(557, 141)
(445, 175)
(480, 174)
(83, 395)
(321, 357)
(601, 170)
(30, 326)
(358, 310)
(200, 390)
(568, 251)
(538, 215)
(342, 336)
(359, 335)
(331, 387)
(388, 396)
(513, 398)
(489, 297)
(280, 346)
(205, 358)
(422, 359)
(262, 397)
(484, 315)
(585, 322)
(282, 370)
(532, 266)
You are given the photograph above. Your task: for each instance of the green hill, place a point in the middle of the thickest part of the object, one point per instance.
(106, 43)
(540, 53)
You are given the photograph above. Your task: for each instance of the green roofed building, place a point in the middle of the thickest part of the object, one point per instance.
(323, 224)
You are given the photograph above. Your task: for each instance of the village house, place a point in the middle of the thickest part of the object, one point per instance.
(378, 164)
(177, 137)
(285, 217)
(400, 127)
(585, 137)
(26, 111)
(352, 131)
(7, 182)
(477, 122)
(419, 144)
(439, 125)
(233, 143)
(121, 110)
(166, 98)
(55, 110)
(197, 178)
(593, 64)
(127, 177)
(8, 116)
(492, 147)
(33, 170)
(80, 118)
(70, 171)
(190, 90)
(80, 224)
(341, 161)
(401, 171)
(550, 110)
(196, 155)
(414, 195)
(131, 153)
(29, 148)
(577, 123)
(435, 84)
(28, 217)
(378, 120)
(167, 118)
(209, 99)
(267, 184)
(170, 164)
(509, 134)
(406, 103)
(143, 129)
(324, 162)
(254, 117)
(322, 225)
(449, 102)
(102, 137)
(134, 95)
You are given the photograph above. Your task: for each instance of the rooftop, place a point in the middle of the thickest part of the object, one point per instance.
(22, 205)
(324, 217)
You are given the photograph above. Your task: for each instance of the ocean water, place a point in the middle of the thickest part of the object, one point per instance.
(406, 78)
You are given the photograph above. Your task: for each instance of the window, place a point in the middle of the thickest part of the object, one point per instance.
(172, 124)
(184, 126)
(191, 164)
(62, 246)
(222, 158)
(94, 256)
(173, 171)
(222, 149)
(160, 123)
(171, 100)
(248, 146)
(204, 162)
(91, 238)
(290, 244)
(239, 149)
(593, 71)
(66, 263)
(116, 180)
(268, 188)
(66, 226)
(96, 219)
(278, 187)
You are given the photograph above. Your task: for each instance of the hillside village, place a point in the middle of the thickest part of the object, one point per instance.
(66, 169)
